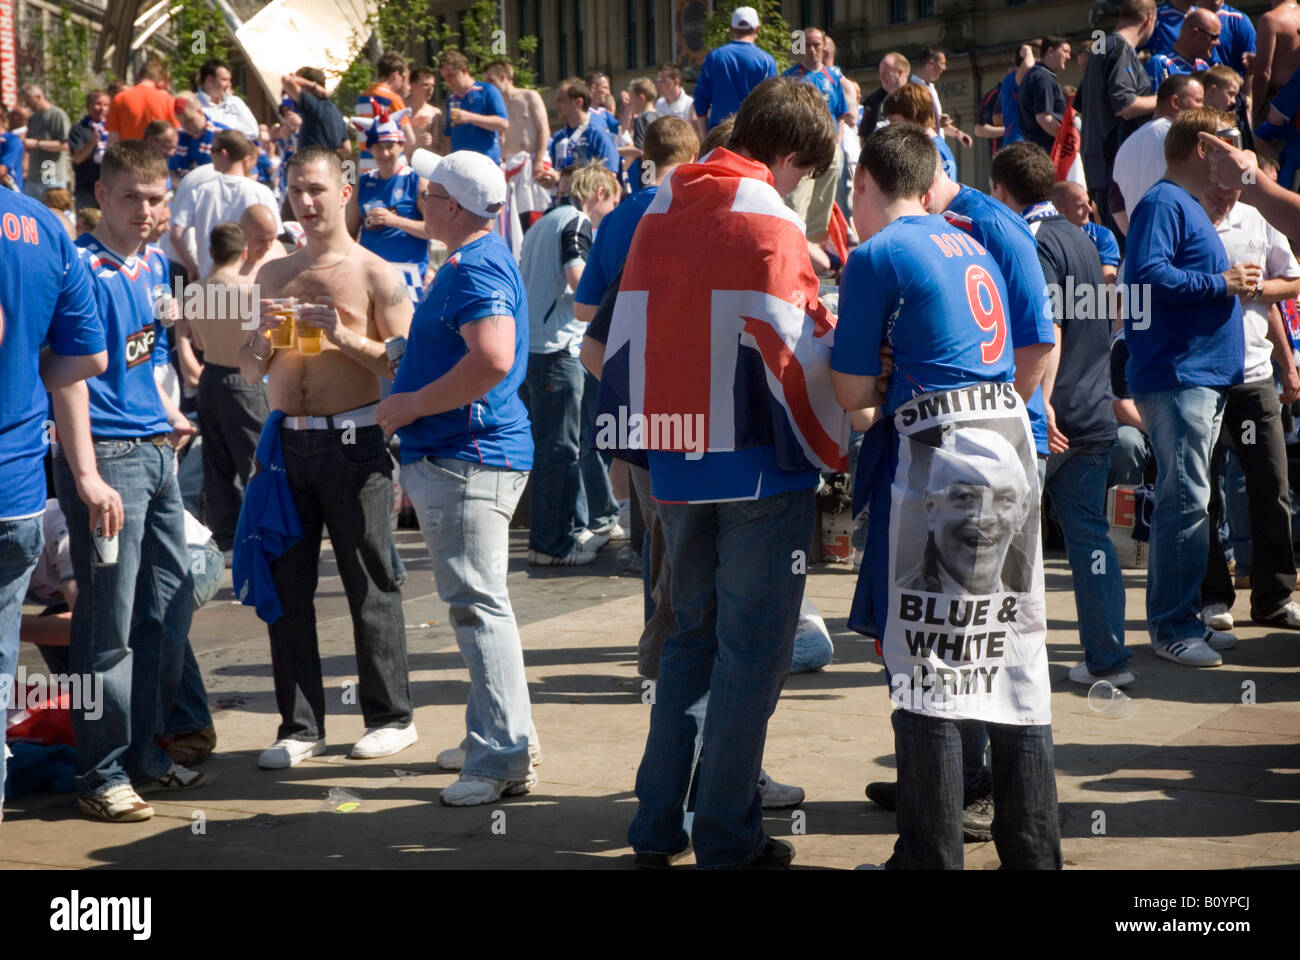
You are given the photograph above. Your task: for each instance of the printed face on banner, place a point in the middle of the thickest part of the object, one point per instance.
(967, 625)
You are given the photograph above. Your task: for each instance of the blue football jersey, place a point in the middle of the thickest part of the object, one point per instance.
(45, 300)
(936, 296)
(398, 193)
(124, 399)
(481, 98)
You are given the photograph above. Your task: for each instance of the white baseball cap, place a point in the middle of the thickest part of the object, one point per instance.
(472, 179)
(744, 18)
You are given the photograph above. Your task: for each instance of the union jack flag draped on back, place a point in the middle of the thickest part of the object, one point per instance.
(718, 315)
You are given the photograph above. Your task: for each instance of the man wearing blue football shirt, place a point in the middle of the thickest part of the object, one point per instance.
(1182, 359)
(476, 114)
(731, 71)
(467, 448)
(133, 625)
(51, 338)
(904, 288)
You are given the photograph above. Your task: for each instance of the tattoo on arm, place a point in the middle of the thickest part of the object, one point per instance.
(398, 295)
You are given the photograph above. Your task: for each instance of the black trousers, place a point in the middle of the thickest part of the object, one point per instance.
(231, 414)
(1252, 426)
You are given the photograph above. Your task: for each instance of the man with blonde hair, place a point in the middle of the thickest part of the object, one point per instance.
(555, 252)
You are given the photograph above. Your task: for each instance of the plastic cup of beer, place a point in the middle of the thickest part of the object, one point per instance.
(282, 336)
(309, 340)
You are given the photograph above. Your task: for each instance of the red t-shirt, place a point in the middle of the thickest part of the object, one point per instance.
(136, 107)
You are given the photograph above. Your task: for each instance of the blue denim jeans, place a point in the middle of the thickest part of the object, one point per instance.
(131, 622)
(190, 711)
(1026, 828)
(602, 508)
(1128, 461)
(553, 392)
(20, 548)
(736, 599)
(1181, 425)
(1076, 480)
(464, 511)
(1234, 514)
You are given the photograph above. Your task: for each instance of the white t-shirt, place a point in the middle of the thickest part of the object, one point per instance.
(222, 198)
(683, 106)
(231, 111)
(934, 98)
(1140, 162)
(1249, 238)
(183, 198)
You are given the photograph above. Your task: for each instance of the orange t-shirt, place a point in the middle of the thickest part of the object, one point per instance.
(136, 107)
(386, 95)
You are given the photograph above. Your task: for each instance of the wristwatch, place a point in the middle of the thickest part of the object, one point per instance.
(1258, 292)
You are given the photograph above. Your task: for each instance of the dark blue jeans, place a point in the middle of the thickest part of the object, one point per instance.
(602, 508)
(1076, 479)
(736, 600)
(1026, 829)
(20, 548)
(131, 623)
(553, 392)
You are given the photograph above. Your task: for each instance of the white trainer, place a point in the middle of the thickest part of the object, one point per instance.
(288, 752)
(1218, 640)
(453, 758)
(590, 540)
(1080, 673)
(777, 795)
(384, 742)
(1287, 617)
(1192, 652)
(1217, 616)
(470, 791)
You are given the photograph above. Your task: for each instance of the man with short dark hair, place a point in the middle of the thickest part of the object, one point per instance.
(1140, 161)
(121, 429)
(731, 71)
(1076, 388)
(579, 141)
(219, 101)
(933, 64)
(390, 89)
(1115, 96)
(1182, 358)
(322, 123)
(736, 504)
(87, 141)
(924, 288)
(323, 396)
(476, 113)
(1042, 104)
(673, 100)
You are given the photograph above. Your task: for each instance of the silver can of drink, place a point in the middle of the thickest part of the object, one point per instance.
(395, 347)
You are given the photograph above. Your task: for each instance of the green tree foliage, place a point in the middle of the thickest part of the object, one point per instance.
(66, 51)
(482, 39)
(201, 34)
(774, 34)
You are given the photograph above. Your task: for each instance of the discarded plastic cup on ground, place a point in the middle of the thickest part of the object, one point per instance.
(1105, 698)
(340, 801)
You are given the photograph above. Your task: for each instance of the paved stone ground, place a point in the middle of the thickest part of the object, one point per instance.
(1194, 779)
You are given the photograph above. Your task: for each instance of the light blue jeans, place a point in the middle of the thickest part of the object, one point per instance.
(20, 548)
(1182, 426)
(464, 511)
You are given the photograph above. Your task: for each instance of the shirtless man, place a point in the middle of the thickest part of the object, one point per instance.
(523, 151)
(426, 119)
(258, 224)
(337, 466)
(1277, 51)
(231, 410)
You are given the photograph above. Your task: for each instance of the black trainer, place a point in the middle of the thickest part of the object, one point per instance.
(976, 816)
(882, 794)
(777, 855)
(659, 861)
